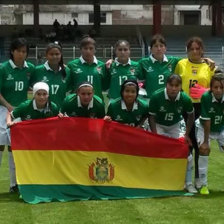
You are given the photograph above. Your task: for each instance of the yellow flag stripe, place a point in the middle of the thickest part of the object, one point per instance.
(72, 167)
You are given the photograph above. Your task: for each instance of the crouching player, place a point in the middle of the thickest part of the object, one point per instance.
(38, 107)
(210, 126)
(166, 109)
(84, 103)
(128, 109)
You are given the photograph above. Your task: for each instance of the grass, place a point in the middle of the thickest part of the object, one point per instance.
(198, 209)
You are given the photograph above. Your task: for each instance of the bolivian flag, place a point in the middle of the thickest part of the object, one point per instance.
(81, 159)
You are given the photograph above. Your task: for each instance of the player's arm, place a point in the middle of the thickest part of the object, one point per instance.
(101, 111)
(9, 120)
(142, 121)
(105, 78)
(189, 124)
(5, 103)
(204, 147)
(152, 123)
(206, 123)
(109, 114)
(153, 110)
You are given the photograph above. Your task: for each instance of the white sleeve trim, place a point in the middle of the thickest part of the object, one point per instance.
(191, 112)
(152, 113)
(12, 115)
(205, 118)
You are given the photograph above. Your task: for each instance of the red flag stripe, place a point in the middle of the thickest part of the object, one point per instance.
(93, 135)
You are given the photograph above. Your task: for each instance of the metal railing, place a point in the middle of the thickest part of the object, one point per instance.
(37, 54)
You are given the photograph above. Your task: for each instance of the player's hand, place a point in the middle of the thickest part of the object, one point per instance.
(107, 118)
(9, 124)
(108, 63)
(197, 91)
(60, 115)
(204, 149)
(188, 140)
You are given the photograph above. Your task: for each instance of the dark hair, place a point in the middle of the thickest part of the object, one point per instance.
(57, 45)
(84, 83)
(217, 77)
(16, 44)
(119, 42)
(197, 40)
(159, 38)
(127, 83)
(87, 40)
(174, 77)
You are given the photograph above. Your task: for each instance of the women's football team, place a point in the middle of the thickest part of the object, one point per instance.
(185, 97)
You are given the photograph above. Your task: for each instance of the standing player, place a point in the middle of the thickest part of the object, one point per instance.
(84, 103)
(196, 76)
(166, 109)
(38, 107)
(14, 83)
(121, 69)
(128, 109)
(54, 73)
(156, 68)
(211, 126)
(88, 68)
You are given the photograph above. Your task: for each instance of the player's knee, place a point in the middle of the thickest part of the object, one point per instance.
(2, 147)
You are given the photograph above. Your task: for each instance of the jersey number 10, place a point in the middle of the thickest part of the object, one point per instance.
(19, 85)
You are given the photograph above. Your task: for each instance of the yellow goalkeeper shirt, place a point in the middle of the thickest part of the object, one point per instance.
(193, 73)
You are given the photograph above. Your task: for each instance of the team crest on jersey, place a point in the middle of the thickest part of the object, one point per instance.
(78, 70)
(170, 68)
(138, 117)
(101, 170)
(150, 69)
(118, 118)
(99, 69)
(114, 71)
(162, 109)
(28, 117)
(194, 72)
(132, 71)
(179, 109)
(45, 79)
(9, 77)
(28, 75)
(212, 110)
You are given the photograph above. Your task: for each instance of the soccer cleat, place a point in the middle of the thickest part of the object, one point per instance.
(14, 189)
(198, 184)
(191, 189)
(204, 190)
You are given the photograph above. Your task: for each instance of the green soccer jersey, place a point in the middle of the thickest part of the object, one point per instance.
(117, 110)
(169, 112)
(94, 73)
(58, 86)
(213, 110)
(118, 73)
(155, 73)
(28, 111)
(73, 108)
(15, 82)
